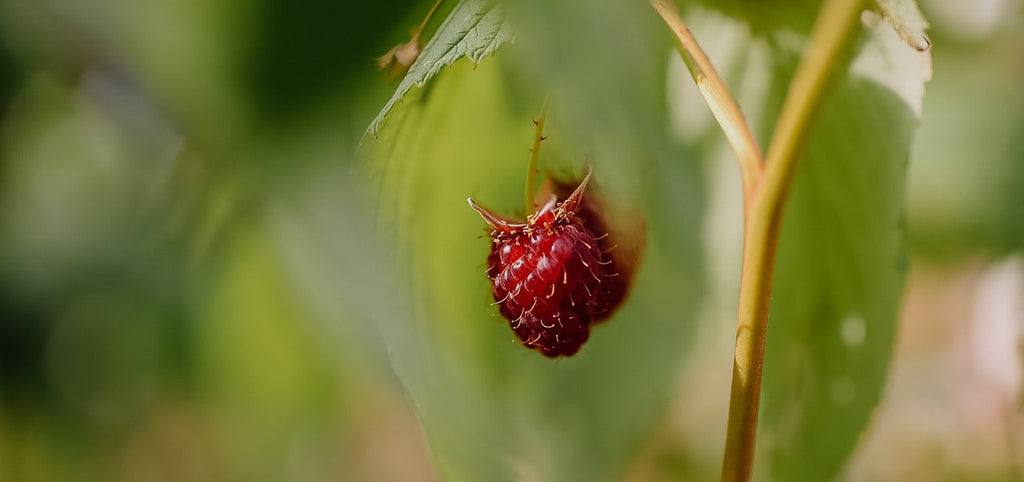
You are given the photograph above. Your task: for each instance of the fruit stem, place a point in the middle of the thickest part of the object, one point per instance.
(723, 105)
(419, 30)
(531, 172)
(832, 33)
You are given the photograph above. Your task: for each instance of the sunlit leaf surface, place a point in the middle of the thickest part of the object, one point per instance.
(474, 29)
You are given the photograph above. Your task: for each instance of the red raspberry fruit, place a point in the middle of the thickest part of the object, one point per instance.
(549, 275)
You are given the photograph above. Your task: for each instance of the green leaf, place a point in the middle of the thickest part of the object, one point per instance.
(838, 284)
(840, 267)
(491, 409)
(582, 418)
(473, 29)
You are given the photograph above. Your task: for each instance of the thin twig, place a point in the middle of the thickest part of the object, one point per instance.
(832, 33)
(423, 25)
(722, 104)
(531, 173)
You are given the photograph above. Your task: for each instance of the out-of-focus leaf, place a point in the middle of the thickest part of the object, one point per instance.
(838, 284)
(492, 409)
(962, 199)
(474, 29)
(297, 55)
(840, 270)
(277, 386)
(10, 76)
(906, 19)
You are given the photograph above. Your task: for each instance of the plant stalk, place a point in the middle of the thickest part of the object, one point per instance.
(423, 25)
(832, 33)
(723, 105)
(766, 186)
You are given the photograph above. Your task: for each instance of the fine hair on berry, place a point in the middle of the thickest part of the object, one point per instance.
(552, 276)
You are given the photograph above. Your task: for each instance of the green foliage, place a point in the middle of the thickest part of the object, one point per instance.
(841, 261)
(191, 265)
(493, 410)
(840, 269)
(839, 279)
(467, 376)
(473, 29)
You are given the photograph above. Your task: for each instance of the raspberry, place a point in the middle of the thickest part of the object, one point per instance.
(623, 244)
(550, 276)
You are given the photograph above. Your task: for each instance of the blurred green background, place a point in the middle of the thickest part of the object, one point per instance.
(168, 170)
